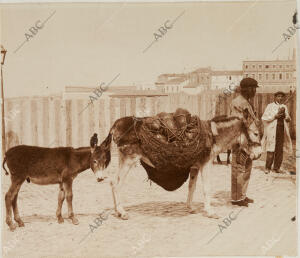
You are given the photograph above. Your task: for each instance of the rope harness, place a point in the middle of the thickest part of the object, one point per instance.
(179, 152)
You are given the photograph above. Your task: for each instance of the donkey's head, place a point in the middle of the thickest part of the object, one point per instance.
(237, 130)
(100, 158)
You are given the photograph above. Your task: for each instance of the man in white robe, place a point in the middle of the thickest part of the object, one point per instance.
(276, 138)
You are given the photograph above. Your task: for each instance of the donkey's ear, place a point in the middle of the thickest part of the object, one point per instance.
(94, 141)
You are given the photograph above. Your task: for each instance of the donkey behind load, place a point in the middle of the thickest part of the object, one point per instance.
(44, 166)
(227, 132)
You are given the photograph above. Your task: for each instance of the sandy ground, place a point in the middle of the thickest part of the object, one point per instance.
(159, 223)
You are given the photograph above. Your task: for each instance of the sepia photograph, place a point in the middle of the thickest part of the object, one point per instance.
(149, 129)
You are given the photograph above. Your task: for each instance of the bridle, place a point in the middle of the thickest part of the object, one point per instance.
(245, 131)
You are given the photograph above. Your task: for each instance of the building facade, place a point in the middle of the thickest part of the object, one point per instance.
(225, 79)
(197, 81)
(200, 78)
(171, 83)
(272, 75)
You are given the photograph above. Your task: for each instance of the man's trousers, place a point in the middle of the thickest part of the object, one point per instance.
(240, 176)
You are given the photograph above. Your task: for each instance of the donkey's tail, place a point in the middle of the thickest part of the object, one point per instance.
(4, 161)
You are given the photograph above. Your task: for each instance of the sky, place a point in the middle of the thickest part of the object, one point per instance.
(87, 44)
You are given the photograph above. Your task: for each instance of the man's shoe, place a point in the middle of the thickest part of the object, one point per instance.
(248, 200)
(240, 203)
(267, 171)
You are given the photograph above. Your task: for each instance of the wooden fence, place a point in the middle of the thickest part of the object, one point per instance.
(53, 121)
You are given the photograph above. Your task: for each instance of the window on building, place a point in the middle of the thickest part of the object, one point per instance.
(274, 66)
(246, 75)
(246, 66)
(177, 88)
(229, 77)
(267, 76)
(267, 66)
(260, 66)
(253, 76)
(280, 66)
(273, 76)
(287, 66)
(287, 76)
(280, 76)
(253, 66)
(259, 76)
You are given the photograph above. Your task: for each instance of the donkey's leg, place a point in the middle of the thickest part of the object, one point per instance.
(16, 210)
(228, 156)
(61, 198)
(9, 197)
(192, 186)
(126, 164)
(205, 175)
(69, 196)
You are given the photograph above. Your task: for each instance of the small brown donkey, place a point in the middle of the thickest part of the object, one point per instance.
(44, 166)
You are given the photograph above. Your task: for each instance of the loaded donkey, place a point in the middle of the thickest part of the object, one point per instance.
(168, 153)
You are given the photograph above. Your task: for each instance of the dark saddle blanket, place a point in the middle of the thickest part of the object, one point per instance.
(173, 142)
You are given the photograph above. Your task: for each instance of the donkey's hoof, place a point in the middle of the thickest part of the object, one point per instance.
(60, 220)
(75, 221)
(213, 216)
(21, 223)
(124, 216)
(12, 227)
(192, 210)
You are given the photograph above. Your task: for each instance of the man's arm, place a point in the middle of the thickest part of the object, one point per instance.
(287, 116)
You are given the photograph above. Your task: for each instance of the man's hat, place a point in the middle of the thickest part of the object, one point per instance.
(279, 93)
(248, 83)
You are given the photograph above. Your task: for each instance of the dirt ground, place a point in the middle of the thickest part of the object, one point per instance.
(159, 223)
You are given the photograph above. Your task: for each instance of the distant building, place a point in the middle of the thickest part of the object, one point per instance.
(224, 79)
(197, 81)
(171, 83)
(272, 75)
(145, 86)
(200, 78)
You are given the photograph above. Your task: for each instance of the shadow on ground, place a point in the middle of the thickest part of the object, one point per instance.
(178, 209)
(164, 209)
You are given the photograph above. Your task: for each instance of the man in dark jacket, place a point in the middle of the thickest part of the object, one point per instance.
(240, 172)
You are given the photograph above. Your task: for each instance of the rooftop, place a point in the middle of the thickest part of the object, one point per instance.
(202, 70)
(269, 61)
(232, 72)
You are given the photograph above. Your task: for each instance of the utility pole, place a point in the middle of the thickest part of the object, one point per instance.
(3, 53)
